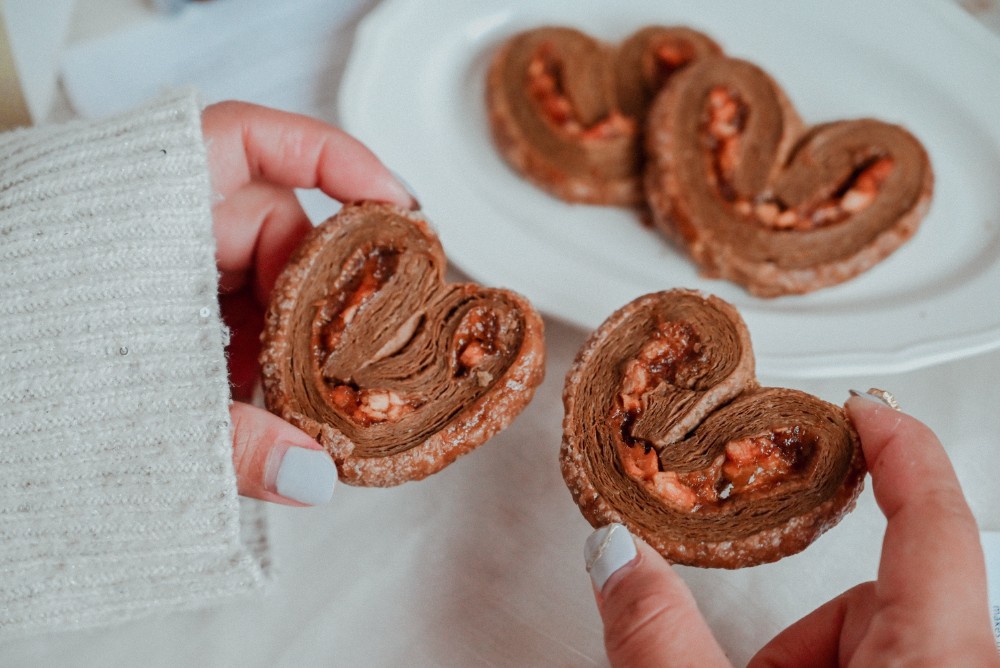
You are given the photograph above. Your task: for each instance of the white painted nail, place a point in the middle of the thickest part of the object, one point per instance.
(307, 476)
(606, 551)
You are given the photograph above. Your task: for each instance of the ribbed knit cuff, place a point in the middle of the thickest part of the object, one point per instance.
(117, 491)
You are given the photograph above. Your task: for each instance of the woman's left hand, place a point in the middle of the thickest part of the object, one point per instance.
(257, 156)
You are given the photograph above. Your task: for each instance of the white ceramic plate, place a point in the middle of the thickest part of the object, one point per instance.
(413, 91)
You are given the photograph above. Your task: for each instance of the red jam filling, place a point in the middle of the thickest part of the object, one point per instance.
(724, 124)
(544, 83)
(368, 273)
(671, 346)
(751, 463)
(725, 121)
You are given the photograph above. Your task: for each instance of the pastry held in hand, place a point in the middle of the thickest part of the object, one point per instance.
(667, 431)
(394, 371)
(566, 110)
(754, 197)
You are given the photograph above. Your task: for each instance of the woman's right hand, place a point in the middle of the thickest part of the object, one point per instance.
(927, 607)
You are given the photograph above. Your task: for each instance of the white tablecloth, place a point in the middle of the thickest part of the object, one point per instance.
(481, 564)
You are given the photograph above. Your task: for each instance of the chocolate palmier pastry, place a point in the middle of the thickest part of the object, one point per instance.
(646, 61)
(754, 197)
(566, 109)
(394, 371)
(668, 432)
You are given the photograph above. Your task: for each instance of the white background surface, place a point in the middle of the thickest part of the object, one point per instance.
(36, 32)
(481, 564)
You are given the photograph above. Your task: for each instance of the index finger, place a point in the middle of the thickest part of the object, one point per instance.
(247, 142)
(932, 561)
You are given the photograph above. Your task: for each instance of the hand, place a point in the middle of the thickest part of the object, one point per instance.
(927, 607)
(256, 157)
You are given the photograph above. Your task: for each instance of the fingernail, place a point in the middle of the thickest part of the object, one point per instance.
(878, 396)
(606, 551)
(408, 188)
(305, 475)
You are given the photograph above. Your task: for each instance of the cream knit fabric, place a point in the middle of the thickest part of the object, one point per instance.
(117, 490)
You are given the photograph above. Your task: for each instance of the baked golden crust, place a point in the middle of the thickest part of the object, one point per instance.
(395, 372)
(754, 197)
(566, 110)
(700, 409)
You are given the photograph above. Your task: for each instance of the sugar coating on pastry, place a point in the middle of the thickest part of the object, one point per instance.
(393, 370)
(667, 431)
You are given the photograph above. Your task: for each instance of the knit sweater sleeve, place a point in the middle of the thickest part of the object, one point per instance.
(117, 490)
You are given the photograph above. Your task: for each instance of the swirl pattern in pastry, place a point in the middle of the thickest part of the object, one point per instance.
(393, 370)
(753, 196)
(667, 431)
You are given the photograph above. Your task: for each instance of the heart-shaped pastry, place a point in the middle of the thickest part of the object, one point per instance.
(567, 110)
(754, 197)
(394, 371)
(667, 431)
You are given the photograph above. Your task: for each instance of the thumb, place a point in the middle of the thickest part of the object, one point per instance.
(650, 617)
(278, 462)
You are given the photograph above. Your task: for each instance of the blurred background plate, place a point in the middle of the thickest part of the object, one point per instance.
(413, 91)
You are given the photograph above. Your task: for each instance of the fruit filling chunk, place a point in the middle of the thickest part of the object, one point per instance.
(366, 407)
(476, 338)
(756, 463)
(753, 463)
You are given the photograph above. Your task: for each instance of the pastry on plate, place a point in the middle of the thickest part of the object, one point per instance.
(393, 370)
(753, 195)
(566, 110)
